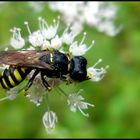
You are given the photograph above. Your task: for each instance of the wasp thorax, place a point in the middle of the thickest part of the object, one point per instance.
(78, 70)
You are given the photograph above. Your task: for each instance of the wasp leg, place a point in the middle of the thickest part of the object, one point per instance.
(45, 83)
(63, 77)
(68, 82)
(30, 82)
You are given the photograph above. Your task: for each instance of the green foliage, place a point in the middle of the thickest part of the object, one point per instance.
(116, 98)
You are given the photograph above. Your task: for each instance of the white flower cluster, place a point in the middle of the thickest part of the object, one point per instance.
(36, 6)
(47, 37)
(100, 15)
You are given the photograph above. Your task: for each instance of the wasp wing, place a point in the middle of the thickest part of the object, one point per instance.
(28, 58)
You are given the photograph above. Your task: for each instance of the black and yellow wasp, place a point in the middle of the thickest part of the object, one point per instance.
(51, 64)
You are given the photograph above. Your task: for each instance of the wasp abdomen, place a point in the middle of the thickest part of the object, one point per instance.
(13, 76)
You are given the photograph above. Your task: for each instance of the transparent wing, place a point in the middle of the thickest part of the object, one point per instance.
(29, 58)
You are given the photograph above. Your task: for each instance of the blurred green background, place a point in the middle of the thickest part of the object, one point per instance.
(116, 98)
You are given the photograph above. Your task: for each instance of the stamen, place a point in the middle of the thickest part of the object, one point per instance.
(90, 104)
(40, 21)
(44, 23)
(99, 61)
(18, 34)
(5, 98)
(83, 39)
(66, 29)
(27, 25)
(85, 114)
(18, 29)
(39, 18)
(92, 43)
(13, 31)
(58, 21)
(80, 91)
(107, 67)
(54, 21)
(58, 17)
(49, 119)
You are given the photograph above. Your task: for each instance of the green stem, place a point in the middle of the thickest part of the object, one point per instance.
(62, 91)
(47, 100)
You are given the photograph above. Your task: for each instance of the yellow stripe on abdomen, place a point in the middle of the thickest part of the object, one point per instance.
(17, 75)
(11, 81)
(5, 83)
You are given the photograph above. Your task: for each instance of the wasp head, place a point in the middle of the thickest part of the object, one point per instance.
(78, 71)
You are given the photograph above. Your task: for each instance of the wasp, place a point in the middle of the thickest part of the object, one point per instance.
(51, 64)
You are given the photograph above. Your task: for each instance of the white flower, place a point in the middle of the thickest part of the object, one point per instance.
(3, 66)
(70, 16)
(68, 36)
(35, 97)
(56, 43)
(109, 28)
(49, 120)
(17, 41)
(96, 74)
(47, 31)
(37, 91)
(48, 38)
(95, 14)
(90, 13)
(46, 45)
(11, 93)
(81, 49)
(102, 16)
(77, 27)
(35, 38)
(75, 102)
(36, 6)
